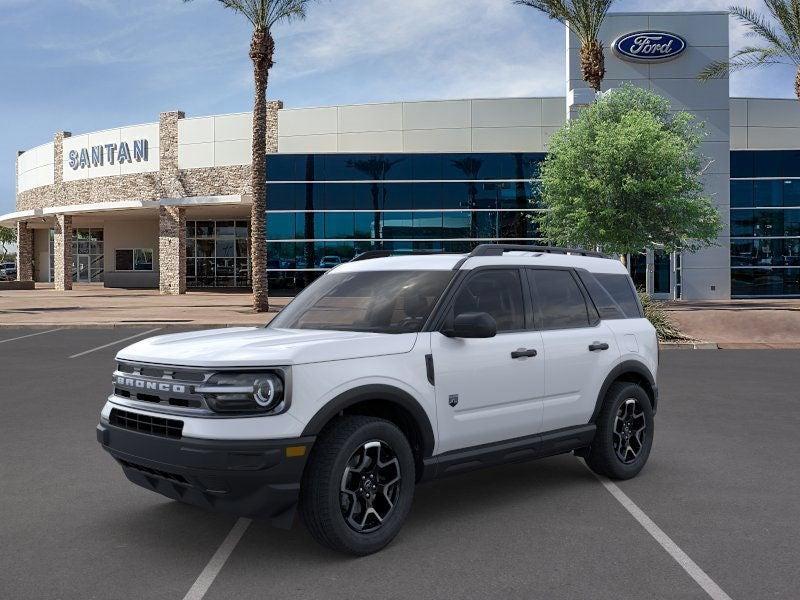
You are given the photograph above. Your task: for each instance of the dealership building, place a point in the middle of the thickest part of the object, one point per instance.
(167, 204)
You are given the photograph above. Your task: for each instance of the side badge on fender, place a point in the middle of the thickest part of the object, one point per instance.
(453, 399)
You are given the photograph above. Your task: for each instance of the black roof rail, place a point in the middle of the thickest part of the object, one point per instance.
(500, 249)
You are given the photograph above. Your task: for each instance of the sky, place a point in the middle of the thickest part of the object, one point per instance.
(86, 65)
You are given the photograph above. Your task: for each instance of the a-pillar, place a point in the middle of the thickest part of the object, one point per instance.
(171, 250)
(24, 252)
(62, 253)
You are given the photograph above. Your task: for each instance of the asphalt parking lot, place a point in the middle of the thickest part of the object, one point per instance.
(722, 483)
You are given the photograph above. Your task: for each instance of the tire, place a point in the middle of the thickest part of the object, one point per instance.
(627, 401)
(344, 457)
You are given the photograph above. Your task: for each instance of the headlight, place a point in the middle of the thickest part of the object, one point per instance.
(245, 392)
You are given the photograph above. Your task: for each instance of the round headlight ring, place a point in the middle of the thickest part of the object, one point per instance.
(264, 392)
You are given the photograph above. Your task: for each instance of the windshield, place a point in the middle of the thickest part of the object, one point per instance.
(375, 301)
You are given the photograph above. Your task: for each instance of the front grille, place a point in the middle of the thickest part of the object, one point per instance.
(169, 428)
(163, 385)
(157, 472)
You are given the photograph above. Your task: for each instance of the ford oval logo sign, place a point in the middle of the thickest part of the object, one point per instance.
(649, 46)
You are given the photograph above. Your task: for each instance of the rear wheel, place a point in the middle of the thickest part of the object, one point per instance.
(358, 486)
(624, 435)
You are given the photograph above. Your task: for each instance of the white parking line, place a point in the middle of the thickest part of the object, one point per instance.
(115, 343)
(22, 337)
(214, 566)
(687, 564)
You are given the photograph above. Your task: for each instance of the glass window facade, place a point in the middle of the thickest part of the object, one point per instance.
(218, 254)
(322, 205)
(765, 223)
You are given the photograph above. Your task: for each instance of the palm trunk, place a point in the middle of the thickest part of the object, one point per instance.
(797, 84)
(261, 51)
(593, 64)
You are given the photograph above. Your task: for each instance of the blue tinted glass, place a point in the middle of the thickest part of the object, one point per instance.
(281, 167)
(742, 222)
(343, 250)
(514, 195)
(311, 196)
(486, 225)
(282, 196)
(427, 225)
(741, 194)
(768, 193)
(426, 166)
(399, 167)
(367, 225)
(396, 196)
(768, 163)
(339, 225)
(768, 222)
(310, 167)
(791, 222)
(280, 226)
(367, 196)
(465, 166)
(340, 167)
(397, 225)
(791, 192)
(456, 224)
(429, 246)
(426, 195)
(485, 194)
(455, 195)
(339, 196)
(514, 224)
(790, 165)
(526, 166)
(742, 164)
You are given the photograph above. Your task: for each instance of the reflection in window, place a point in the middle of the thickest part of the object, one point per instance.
(218, 252)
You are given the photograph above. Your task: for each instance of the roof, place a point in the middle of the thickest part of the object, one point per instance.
(446, 262)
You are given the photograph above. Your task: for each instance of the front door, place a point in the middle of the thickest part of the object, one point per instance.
(483, 393)
(83, 268)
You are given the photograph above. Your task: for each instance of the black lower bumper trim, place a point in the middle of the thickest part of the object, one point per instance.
(250, 478)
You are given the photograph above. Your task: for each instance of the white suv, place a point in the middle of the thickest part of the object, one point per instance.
(387, 371)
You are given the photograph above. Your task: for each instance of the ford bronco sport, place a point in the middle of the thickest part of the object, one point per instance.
(385, 372)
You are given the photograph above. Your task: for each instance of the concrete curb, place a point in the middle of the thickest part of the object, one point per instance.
(689, 345)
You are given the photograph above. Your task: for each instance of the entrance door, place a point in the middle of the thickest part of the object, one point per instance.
(83, 268)
(489, 389)
(662, 270)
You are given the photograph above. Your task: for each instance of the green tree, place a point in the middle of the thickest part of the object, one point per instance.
(263, 15)
(8, 236)
(625, 176)
(778, 37)
(584, 19)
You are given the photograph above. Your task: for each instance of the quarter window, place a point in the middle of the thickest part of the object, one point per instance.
(497, 292)
(560, 302)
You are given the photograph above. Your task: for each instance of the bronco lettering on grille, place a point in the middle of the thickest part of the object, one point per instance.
(142, 384)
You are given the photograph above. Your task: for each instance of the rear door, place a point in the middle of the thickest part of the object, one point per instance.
(489, 389)
(579, 348)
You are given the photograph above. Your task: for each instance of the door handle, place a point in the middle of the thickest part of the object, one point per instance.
(523, 352)
(598, 346)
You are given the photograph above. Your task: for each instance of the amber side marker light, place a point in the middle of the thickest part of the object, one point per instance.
(294, 451)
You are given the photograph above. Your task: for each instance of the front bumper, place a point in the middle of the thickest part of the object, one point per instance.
(248, 478)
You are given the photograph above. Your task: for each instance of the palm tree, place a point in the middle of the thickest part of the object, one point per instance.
(780, 41)
(262, 15)
(584, 19)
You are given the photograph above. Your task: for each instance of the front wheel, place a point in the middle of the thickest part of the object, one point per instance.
(624, 435)
(358, 486)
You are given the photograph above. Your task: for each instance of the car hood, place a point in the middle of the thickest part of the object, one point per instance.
(259, 346)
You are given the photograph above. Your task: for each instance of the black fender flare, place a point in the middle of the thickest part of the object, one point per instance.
(380, 392)
(623, 368)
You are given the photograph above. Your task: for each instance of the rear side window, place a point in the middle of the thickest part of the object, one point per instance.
(620, 289)
(559, 300)
(607, 307)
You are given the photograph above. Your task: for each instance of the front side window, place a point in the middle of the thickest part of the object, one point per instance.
(559, 299)
(497, 292)
(372, 301)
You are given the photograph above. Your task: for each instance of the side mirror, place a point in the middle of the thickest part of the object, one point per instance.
(473, 325)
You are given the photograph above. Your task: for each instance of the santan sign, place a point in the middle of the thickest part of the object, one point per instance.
(97, 156)
(649, 46)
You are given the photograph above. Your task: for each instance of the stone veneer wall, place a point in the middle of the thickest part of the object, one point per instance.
(24, 252)
(62, 250)
(172, 250)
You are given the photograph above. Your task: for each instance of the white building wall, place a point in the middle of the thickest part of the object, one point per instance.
(87, 141)
(765, 124)
(706, 274)
(35, 167)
